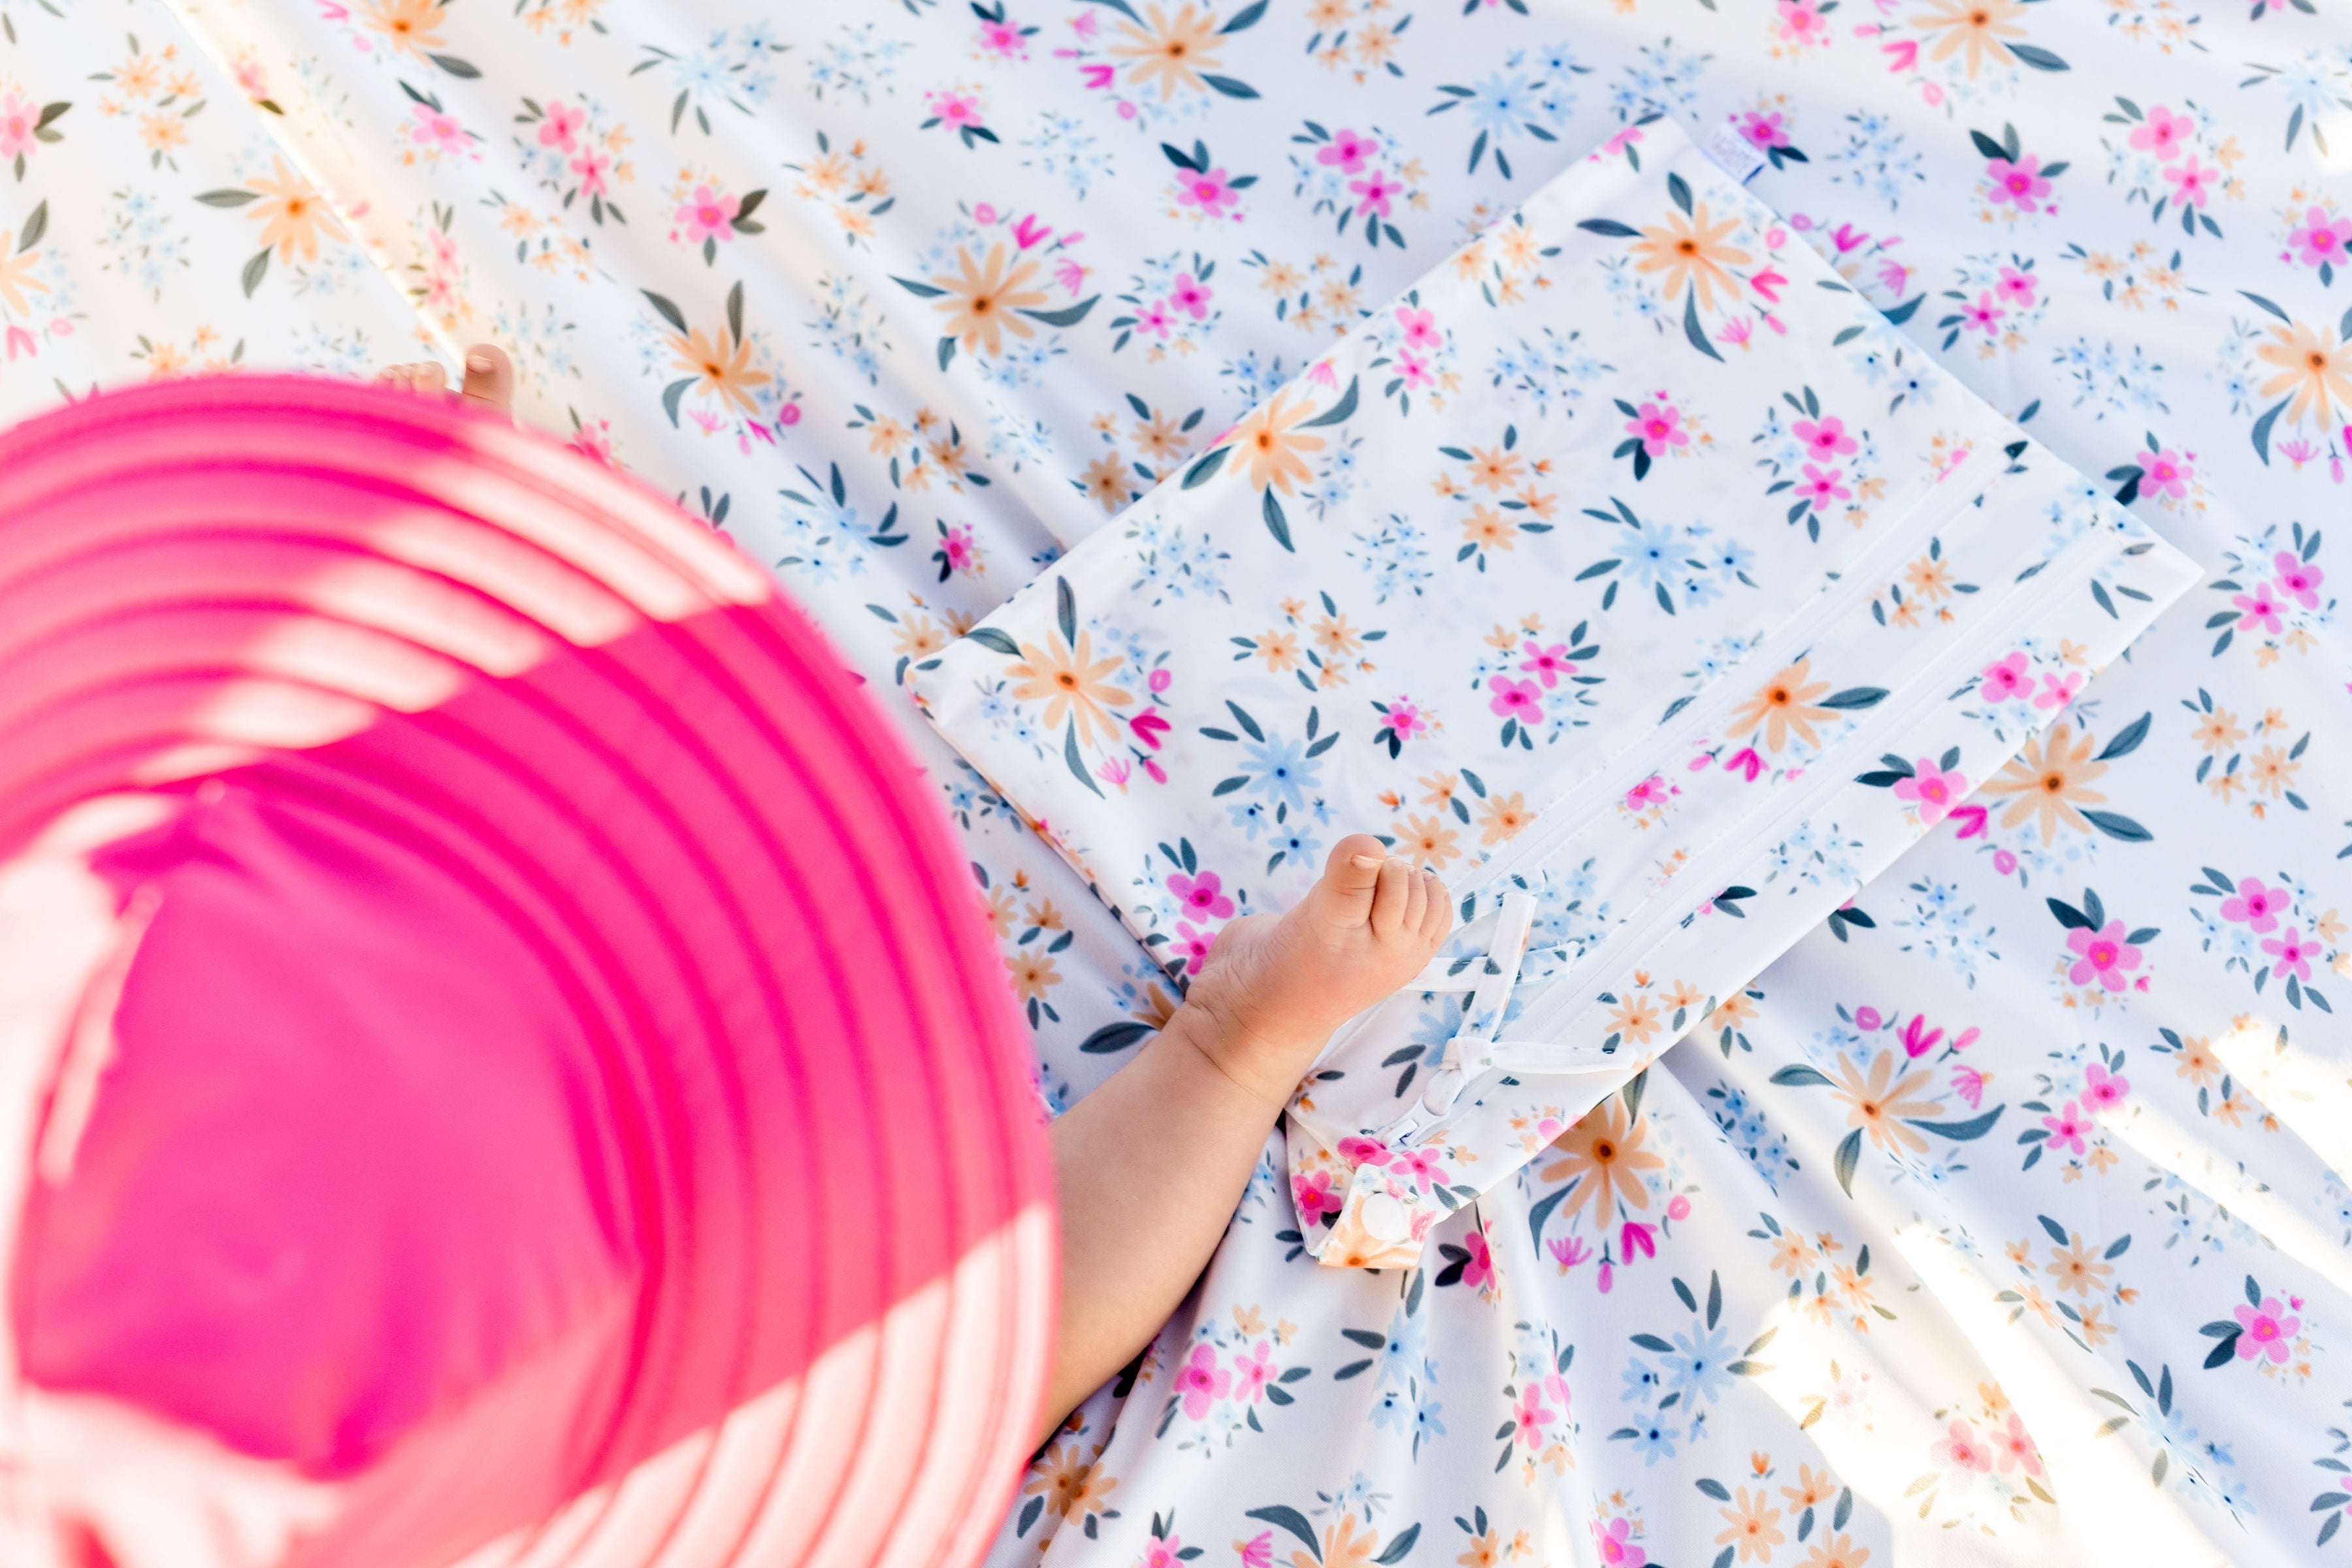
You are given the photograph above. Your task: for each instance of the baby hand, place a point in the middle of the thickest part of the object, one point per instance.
(489, 383)
(1274, 989)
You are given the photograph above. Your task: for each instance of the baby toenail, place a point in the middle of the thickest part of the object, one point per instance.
(1366, 862)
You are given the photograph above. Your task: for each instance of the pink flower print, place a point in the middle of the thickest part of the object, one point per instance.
(2101, 955)
(2294, 955)
(1155, 317)
(1028, 231)
(1417, 1167)
(2260, 608)
(2016, 1446)
(1315, 1195)
(1984, 315)
(1971, 821)
(1363, 1150)
(1868, 1019)
(1738, 330)
(1348, 151)
(1744, 762)
(2266, 1330)
(1545, 664)
(1531, 1415)
(1419, 329)
(1479, 1268)
(1191, 296)
(1969, 1083)
(1567, 1252)
(2007, 678)
(1192, 946)
(1825, 439)
(1165, 1552)
(1933, 791)
(1149, 728)
(2067, 1128)
(1202, 1381)
(961, 551)
(1376, 191)
(2022, 182)
(1660, 425)
(1515, 699)
(1802, 23)
(2016, 287)
(1821, 485)
(1406, 718)
(1677, 1207)
(1650, 792)
(2298, 580)
(2255, 904)
(1160, 679)
(1257, 1552)
(1416, 370)
(590, 168)
(1616, 1551)
(1619, 142)
(708, 214)
(561, 124)
(1095, 75)
(1002, 39)
(954, 110)
(2168, 474)
(2194, 180)
(2003, 861)
(1253, 1372)
(1636, 1238)
(1203, 896)
(1961, 1453)
(433, 129)
(2102, 1088)
(1764, 283)
(1917, 1038)
(2057, 691)
(1769, 130)
(2163, 134)
(1209, 192)
(2320, 239)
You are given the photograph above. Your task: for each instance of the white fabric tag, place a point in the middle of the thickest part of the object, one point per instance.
(1735, 154)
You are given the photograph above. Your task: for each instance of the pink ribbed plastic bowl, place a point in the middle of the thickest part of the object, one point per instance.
(504, 1060)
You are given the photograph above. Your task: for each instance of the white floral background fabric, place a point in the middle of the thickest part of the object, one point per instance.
(738, 250)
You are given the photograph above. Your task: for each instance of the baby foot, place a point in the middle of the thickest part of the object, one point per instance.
(489, 383)
(1274, 989)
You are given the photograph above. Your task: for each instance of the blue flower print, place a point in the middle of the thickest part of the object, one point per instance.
(1282, 771)
(1701, 1366)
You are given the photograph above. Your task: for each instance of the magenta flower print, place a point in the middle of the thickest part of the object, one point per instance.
(2006, 678)
(2168, 473)
(1257, 1552)
(2266, 1330)
(1347, 150)
(1520, 700)
(1869, 1019)
(954, 110)
(2194, 180)
(1823, 438)
(1821, 486)
(2016, 288)
(1650, 792)
(2057, 691)
(1192, 946)
(1363, 1150)
(1201, 1381)
(1203, 896)
(590, 168)
(2319, 240)
(2103, 956)
(1415, 371)
(1150, 728)
(1155, 317)
(1531, 1415)
(1419, 1166)
(2102, 1088)
(1377, 193)
(708, 214)
(1005, 40)
(2016, 1446)
(2068, 1128)
(1421, 331)
(1768, 131)
(1213, 193)
(2255, 904)
(2260, 608)
(1616, 1551)
(433, 129)
(2298, 580)
(561, 126)
(1961, 1453)
(1932, 790)
(1917, 1038)
(2294, 953)
(1478, 1268)
(1545, 664)
(1315, 1195)
(1659, 426)
(1253, 1372)
(1191, 296)
(2163, 134)
(2020, 182)
(1984, 315)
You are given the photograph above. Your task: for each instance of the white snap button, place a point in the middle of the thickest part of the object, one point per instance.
(1385, 1219)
